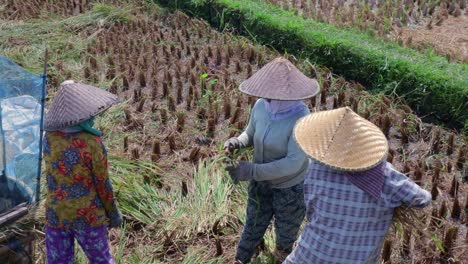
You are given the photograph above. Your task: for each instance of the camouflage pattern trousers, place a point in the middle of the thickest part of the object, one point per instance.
(287, 208)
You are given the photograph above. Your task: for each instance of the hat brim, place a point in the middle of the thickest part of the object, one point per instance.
(260, 94)
(75, 103)
(341, 139)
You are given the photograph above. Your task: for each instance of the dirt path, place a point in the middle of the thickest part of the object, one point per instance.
(449, 39)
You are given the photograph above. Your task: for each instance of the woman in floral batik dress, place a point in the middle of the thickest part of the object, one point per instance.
(80, 203)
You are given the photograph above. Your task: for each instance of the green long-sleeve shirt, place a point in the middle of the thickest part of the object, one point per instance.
(277, 157)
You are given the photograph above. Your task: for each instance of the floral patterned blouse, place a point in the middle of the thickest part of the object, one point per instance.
(79, 192)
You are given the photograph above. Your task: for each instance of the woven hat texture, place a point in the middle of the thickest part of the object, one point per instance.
(280, 80)
(76, 102)
(341, 139)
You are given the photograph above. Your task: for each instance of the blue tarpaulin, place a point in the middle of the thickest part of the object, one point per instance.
(21, 115)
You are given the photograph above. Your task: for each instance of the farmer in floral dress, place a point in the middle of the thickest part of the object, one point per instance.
(80, 203)
(277, 172)
(350, 190)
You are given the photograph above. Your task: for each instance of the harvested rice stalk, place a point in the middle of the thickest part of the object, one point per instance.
(125, 144)
(184, 191)
(180, 121)
(154, 91)
(454, 186)
(211, 128)
(156, 151)
(227, 109)
(434, 191)
(125, 85)
(219, 248)
(443, 211)
(434, 220)
(235, 116)
(335, 103)
(171, 104)
(113, 88)
(435, 140)
(172, 143)
(135, 154)
(163, 114)
(386, 125)
(165, 90)
(456, 209)
(141, 105)
(417, 174)
(188, 104)
(461, 157)
(387, 251)
(449, 167)
(449, 243)
(180, 98)
(437, 168)
(450, 144)
(409, 219)
(390, 155)
(194, 154)
(406, 250)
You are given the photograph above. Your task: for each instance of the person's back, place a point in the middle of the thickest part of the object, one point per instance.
(77, 179)
(346, 224)
(350, 190)
(80, 203)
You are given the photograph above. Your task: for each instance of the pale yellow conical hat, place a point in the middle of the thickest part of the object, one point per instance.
(280, 80)
(341, 139)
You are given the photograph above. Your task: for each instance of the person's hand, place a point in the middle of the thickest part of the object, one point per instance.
(116, 219)
(241, 172)
(231, 144)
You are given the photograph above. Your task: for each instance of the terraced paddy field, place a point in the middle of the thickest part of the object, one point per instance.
(178, 78)
(422, 24)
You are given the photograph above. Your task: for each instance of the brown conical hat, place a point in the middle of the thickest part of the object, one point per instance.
(280, 80)
(76, 102)
(341, 139)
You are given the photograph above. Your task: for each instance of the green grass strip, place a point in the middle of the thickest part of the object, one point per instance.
(429, 83)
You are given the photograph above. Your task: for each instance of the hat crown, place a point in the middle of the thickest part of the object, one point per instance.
(76, 102)
(341, 139)
(280, 80)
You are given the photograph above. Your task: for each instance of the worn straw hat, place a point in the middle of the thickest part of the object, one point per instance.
(280, 80)
(341, 139)
(76, 102)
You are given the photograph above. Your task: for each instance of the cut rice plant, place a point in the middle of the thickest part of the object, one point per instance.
(208, 199)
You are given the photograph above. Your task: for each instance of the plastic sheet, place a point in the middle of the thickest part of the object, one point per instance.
(21, 110)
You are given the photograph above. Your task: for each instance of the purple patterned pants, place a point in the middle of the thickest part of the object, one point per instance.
(60, 244)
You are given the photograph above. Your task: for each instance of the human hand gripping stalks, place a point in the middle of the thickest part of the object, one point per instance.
(238, 170)
(230, 159)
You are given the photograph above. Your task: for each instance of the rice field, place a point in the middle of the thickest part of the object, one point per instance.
(425, 25)
(178, 80)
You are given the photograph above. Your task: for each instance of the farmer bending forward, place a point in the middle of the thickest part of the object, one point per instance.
(277, 173)
(350, 190)
(80, 202)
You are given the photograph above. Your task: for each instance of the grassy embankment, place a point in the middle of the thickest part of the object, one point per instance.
(429, 83)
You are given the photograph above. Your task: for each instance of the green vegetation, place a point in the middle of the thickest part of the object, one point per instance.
(430, 84)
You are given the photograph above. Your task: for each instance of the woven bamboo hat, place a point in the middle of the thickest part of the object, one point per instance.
(280, 80)
(341, 139)
(76, 102)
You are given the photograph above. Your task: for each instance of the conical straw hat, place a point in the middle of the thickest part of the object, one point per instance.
(76, 102)
(280, 80)
(341, 139)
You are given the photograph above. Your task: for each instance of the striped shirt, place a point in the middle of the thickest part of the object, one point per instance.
(346, 224)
